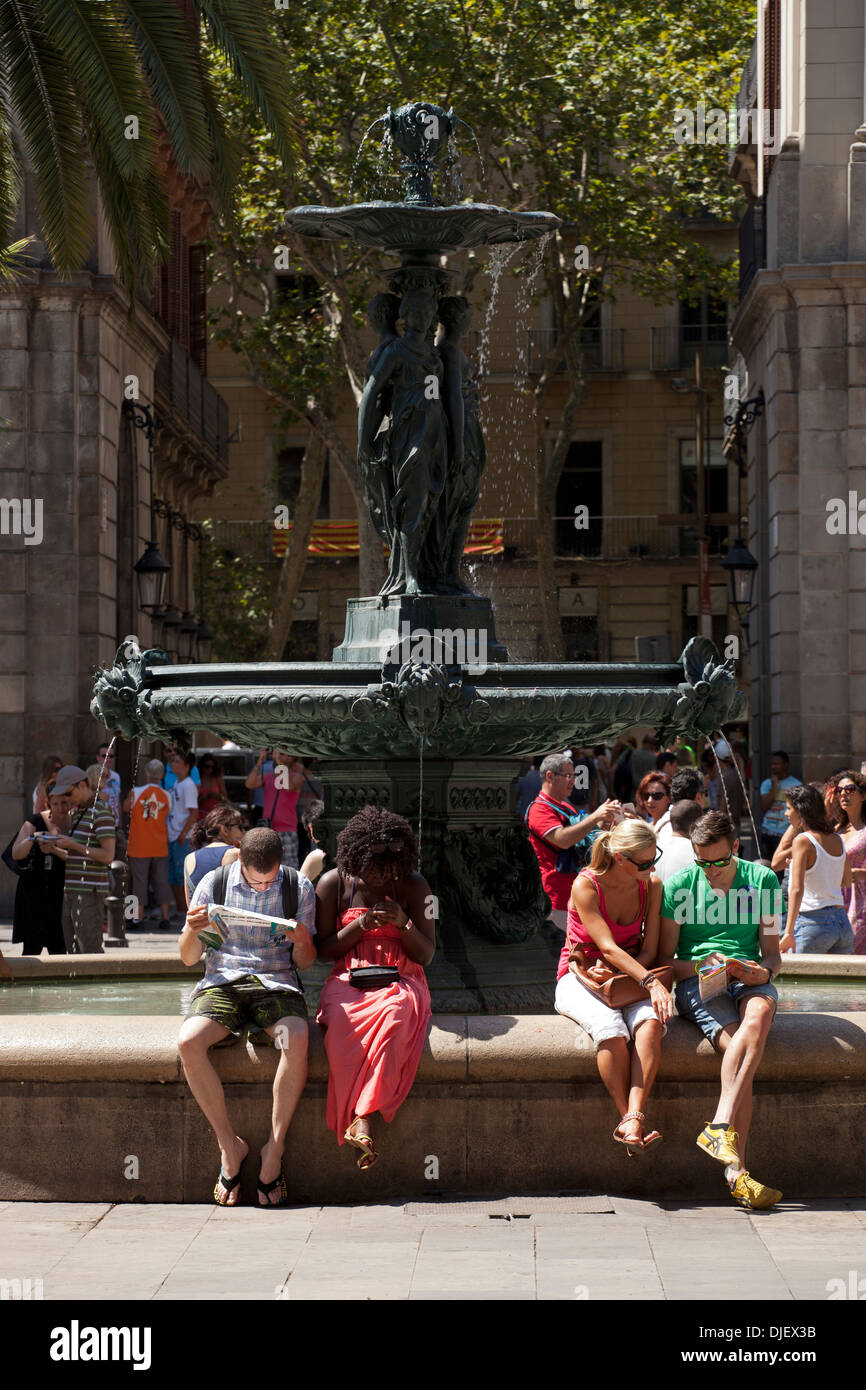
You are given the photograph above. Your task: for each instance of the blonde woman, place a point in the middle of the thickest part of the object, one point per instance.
(614, 916)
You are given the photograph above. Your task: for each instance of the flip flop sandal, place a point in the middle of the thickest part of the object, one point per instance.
(228, 1185)
(266, 1188)
(632, 1146)
(652, 1138)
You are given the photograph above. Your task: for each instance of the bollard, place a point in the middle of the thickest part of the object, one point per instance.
(118, 875)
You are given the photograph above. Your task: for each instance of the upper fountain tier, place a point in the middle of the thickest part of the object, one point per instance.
(421, 224)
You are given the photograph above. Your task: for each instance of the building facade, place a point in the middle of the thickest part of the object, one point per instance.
(801, 330)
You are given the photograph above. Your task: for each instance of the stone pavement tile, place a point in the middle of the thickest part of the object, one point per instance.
(353, 1265)
(714, 1260)
(130, 1260)
(487, 1263)
(601, 1261)
(36, 1213)
(642, 1212)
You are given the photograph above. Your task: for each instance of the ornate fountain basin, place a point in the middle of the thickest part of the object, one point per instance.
(418, 228)
(339, 710)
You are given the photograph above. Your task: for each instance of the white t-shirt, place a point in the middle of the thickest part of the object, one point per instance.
(664, 831)
(678, 854)
(184, 798)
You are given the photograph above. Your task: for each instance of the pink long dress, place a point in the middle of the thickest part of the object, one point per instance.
(855, 896)
(374, 1037)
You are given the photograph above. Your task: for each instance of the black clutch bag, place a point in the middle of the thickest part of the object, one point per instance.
(373, 976)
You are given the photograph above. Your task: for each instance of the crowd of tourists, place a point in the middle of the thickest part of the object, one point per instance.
(659, 911)
(174, 817)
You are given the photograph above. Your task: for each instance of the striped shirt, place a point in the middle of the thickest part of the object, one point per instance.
(251, 950)
(92, 827)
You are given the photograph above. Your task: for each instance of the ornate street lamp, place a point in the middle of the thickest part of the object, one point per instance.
(152, 569)
(204, 641)
(186, 637)
(741, 565)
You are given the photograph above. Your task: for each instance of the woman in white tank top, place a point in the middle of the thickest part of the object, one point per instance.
(817, 921)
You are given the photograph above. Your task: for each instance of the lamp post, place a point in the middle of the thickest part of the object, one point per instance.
(151, 569)
(705, 620)
(739, 561)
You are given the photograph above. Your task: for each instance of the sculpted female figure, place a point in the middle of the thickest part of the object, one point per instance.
(408, 372)
(382, 312)
(468, 454)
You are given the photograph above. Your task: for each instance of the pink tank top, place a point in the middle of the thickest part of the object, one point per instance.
(625, 934)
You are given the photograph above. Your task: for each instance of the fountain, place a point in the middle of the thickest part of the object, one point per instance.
(420, 673)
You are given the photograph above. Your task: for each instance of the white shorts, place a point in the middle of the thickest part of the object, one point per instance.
(574, 1000)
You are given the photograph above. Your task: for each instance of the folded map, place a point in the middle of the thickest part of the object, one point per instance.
(223, 920)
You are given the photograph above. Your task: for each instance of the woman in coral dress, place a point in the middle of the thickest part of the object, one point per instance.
(373, 910)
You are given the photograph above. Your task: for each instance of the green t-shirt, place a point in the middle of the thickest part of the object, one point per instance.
(725, 922)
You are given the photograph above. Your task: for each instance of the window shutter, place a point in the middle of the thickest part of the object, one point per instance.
(198, 306)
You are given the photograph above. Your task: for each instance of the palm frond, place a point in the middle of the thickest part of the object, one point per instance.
(225, 159)
(12, 258)
(135, 210)
(239, 30)
(167, 53)
(10, 173)
(44, 105)
(102, 64)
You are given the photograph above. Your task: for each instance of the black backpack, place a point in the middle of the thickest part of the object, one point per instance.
(290, 888)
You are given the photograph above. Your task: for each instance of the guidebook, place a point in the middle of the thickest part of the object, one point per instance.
(713, 979)
(222, 920)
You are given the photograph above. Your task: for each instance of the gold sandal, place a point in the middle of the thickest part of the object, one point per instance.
(364, 1142)
(633, 1146)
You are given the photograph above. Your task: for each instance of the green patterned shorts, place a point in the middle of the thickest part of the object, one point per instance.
(247, 1002)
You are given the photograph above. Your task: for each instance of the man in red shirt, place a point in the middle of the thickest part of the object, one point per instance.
(555, 827)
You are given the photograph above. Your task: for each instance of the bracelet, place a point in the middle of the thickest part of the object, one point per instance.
(649, 980)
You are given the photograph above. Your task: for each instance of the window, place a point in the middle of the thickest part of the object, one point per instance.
(303, 643)
(288, 481)
(580, 636)
(716, 479)
(580, 485)
(704, 329)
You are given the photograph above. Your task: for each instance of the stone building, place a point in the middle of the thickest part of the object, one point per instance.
(70, 358)
(801, 330)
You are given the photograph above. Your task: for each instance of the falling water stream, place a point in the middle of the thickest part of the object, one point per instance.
(746, 799)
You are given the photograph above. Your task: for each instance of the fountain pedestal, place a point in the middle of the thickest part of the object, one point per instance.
(441, 629)
(475, 855)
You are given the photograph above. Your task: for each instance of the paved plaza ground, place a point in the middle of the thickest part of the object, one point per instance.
(537, 1250)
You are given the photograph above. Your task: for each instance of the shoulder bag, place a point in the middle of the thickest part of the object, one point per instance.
(612, 987)
(371, 976)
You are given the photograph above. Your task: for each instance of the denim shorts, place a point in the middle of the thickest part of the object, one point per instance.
(712, 1015)
(825, 931)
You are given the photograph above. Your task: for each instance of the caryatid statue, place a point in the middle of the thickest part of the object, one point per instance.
(468, 455)
(405, 383)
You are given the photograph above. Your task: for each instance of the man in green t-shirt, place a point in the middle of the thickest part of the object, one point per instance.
(726, 910)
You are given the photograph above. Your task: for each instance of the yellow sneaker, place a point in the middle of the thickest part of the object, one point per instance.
(753, 1195)
(720, 1144)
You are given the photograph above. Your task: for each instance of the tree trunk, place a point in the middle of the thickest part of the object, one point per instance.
(295, 558)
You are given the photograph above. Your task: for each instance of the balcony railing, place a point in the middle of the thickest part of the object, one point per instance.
(675, 348)
(605, 538)
(602, 348)
(179, 381)
(608, 538)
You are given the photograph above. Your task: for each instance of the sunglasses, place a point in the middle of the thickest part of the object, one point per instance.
(395, 846)
(847, 788)
(643, 864)
(714, 863)
(654, 796)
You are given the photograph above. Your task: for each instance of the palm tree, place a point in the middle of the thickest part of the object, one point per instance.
(112, 90)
